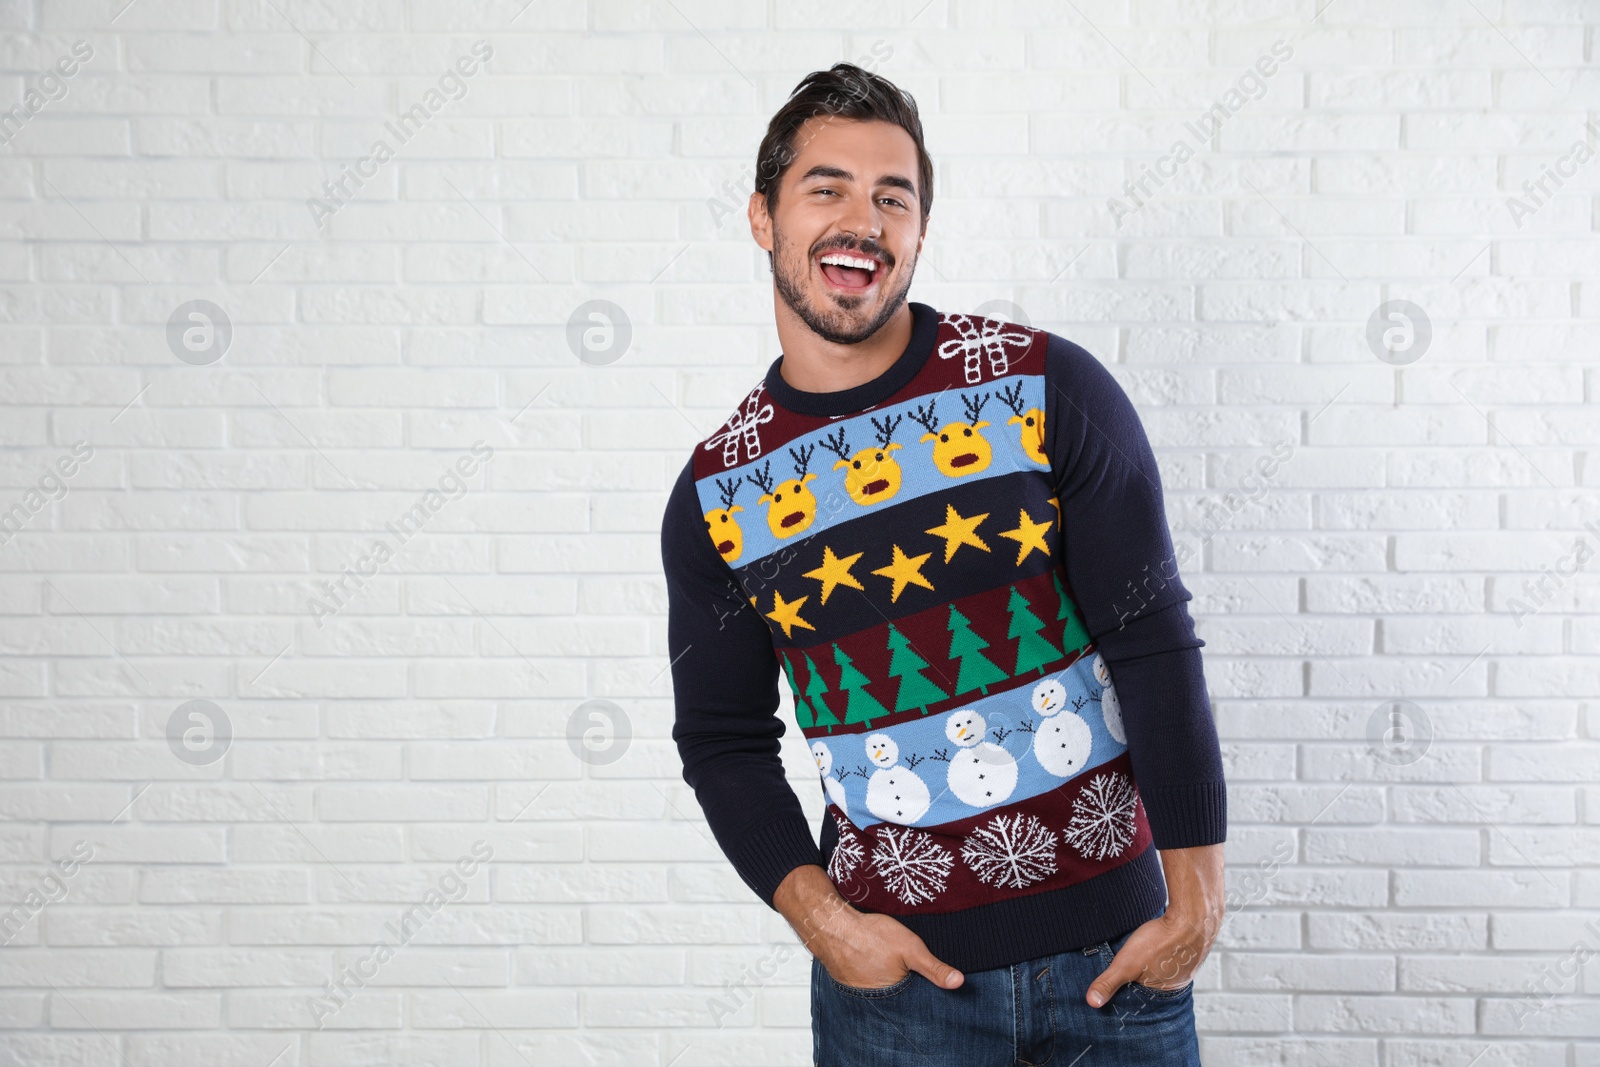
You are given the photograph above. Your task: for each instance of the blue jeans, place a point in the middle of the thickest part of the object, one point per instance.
(1027, 1015)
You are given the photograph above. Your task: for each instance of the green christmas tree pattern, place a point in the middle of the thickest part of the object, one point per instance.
(1075, 634)
(802, 711)
(1034, 654)
(863, 706)
(905, 664)
(1034, 651)
(819, 714)
(976, 670)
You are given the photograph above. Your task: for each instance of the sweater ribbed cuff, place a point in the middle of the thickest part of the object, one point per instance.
(1186, 815)
(769, 852)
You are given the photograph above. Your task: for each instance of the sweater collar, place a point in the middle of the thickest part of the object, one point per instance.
(924, 327)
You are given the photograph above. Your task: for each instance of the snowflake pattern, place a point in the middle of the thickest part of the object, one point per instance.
(1102, 817)
(911, 864)
(981, 337)
(1013, 851)
(847, 854)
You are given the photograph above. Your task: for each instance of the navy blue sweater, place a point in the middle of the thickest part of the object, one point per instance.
(963, 570)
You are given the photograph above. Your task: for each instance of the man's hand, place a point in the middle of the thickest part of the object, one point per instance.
(1165, 952)
(858, 948)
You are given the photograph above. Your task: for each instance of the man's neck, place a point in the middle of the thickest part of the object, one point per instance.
(815, 365)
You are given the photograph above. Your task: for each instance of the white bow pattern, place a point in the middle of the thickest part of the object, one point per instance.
(743, 425)
(980, 337)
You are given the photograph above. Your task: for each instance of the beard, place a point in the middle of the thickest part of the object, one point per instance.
(841, 325)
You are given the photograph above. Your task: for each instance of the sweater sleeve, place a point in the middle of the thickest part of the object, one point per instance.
(725, 686)
(1123, 574)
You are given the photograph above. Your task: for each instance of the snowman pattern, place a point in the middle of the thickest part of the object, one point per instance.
(894, 794)
(1110, 704)
(1062, 742)
(833, 787)
(982, 773)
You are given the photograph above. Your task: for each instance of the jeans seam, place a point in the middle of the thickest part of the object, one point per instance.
(1050, 1016)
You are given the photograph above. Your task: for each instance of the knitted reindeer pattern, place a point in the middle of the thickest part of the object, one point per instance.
(909, 570)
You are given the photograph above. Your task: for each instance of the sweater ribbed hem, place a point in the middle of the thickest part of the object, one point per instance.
(1186, 815)
(1011, 931)
(769, 852)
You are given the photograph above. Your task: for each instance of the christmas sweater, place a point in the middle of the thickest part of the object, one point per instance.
(963, 573)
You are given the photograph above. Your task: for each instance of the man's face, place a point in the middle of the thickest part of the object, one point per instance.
(850, 191)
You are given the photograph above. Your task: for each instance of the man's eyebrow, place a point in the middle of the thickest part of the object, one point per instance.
(823, 170)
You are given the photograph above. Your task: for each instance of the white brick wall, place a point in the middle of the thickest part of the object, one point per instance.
(1395, 913)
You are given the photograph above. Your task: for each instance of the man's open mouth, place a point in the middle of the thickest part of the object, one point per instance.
(876, 486)
(792, 518)
(965, 459)
(848, 271)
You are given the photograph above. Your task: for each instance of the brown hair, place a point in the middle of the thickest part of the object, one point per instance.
(849, 92)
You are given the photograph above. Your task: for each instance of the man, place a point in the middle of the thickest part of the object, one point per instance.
(947, 533)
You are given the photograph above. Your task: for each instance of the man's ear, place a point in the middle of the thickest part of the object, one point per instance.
(760, 221)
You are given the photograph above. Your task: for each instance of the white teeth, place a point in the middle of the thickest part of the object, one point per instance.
(850, 261)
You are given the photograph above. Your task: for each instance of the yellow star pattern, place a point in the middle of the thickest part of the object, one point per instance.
(1057, 505)
(1028, 535)
(787, 613)
(905, 570)
(958, 530)
(835, 572)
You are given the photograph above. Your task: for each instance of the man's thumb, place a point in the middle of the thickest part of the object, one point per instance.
(1103, 988)
(936, 970)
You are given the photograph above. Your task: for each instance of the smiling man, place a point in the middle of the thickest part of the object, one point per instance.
(947, 534)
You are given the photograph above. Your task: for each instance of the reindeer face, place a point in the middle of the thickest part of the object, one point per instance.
(725, 532)
(792, 506)
(1032, 423)
(959, 448)
(871, 475)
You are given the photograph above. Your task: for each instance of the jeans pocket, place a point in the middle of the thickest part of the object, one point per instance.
(1152, 993)
(1108, 951)
(873, 992)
